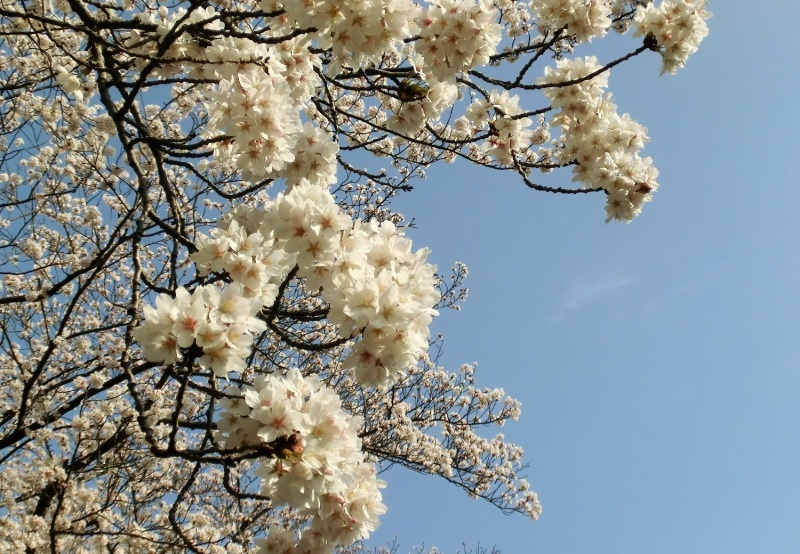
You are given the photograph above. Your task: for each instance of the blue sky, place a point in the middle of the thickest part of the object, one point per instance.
(658, 363)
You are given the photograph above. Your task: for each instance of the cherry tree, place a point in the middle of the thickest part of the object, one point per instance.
(214, 333)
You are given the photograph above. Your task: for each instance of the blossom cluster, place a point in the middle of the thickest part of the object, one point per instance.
(509, 131)
(377, 288)
(581, 19)
(357, 31)
(456, 36)
(417, 107)
(678, 27)
(603, 144)
(516, 17)
(220, 321)
(319, 468)
(257, 111)
(257, 102)
(257, 108)
(172, 41)
(263, 88)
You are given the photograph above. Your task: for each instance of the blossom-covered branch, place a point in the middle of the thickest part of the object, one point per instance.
(214, 331)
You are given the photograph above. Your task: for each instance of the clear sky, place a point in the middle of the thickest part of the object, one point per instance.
(658, 363)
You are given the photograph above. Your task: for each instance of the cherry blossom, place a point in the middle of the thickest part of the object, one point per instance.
(216, 329)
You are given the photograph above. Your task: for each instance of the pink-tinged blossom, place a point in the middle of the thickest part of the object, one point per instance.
(191, 314)
(156, 334)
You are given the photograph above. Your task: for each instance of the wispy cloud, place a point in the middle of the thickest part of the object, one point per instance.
(605, 290)
(584, 292)
(677, 294)
(702, 281)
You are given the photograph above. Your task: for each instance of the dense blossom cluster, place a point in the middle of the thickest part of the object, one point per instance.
(580, 19)
(358, 32)
(257, 111)
(377, 287)
(604, 144)
(188, 213)
(678, 27)
(456, 36)
(221, 322)
(319, 469)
